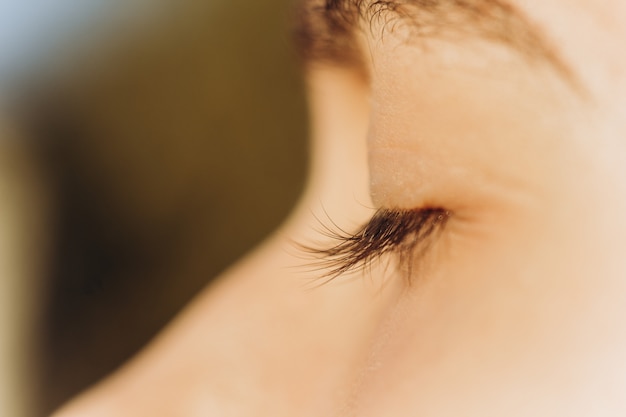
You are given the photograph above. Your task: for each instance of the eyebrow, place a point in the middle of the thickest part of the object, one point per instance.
(325, 29)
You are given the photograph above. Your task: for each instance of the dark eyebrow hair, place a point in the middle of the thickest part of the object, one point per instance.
(325, 29)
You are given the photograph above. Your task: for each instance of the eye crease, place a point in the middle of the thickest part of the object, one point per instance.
(404, 234)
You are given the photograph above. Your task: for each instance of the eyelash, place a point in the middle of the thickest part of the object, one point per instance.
(406, 234)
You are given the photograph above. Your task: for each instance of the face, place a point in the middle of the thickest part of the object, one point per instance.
(508, 121)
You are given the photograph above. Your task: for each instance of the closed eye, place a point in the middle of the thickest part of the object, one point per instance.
(405, 234)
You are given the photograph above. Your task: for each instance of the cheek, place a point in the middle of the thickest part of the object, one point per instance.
(526, 313)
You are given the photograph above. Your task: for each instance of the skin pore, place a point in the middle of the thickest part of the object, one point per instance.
(516, 309)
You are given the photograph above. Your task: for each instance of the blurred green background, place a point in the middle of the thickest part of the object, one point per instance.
(169, 148)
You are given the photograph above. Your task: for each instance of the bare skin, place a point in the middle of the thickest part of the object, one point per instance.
(516, 310)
